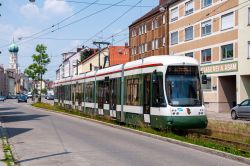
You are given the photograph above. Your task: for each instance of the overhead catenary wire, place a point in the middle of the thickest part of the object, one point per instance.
(82, 18)
(54, 25)
(115, 20)
(106, 4)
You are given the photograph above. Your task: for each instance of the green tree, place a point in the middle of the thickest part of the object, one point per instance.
(36, 70)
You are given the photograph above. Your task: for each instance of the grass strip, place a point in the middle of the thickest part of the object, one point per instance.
(9, 160)
(164, 133)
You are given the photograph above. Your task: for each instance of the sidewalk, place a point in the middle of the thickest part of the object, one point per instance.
(2, 157)
(225, 116)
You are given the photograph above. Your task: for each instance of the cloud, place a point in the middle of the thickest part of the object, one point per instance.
(49, 9)
(30, 10)
(6, 29)
(56, 7)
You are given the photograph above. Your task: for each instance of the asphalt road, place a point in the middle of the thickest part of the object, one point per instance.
(44, 138)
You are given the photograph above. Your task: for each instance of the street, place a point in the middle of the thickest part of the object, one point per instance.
(45, 138)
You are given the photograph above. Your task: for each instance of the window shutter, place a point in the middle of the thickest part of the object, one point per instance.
(227, 21)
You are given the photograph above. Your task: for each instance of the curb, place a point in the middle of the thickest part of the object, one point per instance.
(170, 140)
(4, 141)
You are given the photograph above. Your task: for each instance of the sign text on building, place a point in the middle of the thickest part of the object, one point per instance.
(220, 68)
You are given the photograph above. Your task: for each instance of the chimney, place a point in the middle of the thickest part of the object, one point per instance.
(126, 44)
(161, 2)
(78, 49)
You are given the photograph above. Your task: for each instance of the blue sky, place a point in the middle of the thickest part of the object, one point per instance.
(20, 19)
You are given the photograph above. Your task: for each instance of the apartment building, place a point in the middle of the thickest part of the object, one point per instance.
(208, 30)
(215, 32)
(148, 35)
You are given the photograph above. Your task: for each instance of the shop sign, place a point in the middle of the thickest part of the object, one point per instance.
(220, 68)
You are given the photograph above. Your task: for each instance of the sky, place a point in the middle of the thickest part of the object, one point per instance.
(63, 25)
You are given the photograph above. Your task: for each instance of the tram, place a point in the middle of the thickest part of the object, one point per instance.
(161, 91)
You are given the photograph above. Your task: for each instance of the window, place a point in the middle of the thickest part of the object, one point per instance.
(133, 50)
(227, 51)
(227, 21)
(133, 91)
(154, 24)
(208, 86)
(158, 99)
(142, 29)
(189, 33)
(189, 7)
(174, 38)
(206, 3)
(163, 19)
(206, 28)
(190, 54)
(155, 44)
(206, 56)
(163, 41)
(248, 50)
(133, 33)
(174, 14)
(248, 16)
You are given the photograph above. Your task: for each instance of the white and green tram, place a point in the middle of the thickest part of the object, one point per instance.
(162, 91)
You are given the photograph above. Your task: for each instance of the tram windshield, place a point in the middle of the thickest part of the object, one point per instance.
(183, 86)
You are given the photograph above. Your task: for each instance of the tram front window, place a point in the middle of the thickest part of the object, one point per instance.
(183, 86)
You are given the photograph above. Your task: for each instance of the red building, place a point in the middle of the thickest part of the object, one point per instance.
(118, 55)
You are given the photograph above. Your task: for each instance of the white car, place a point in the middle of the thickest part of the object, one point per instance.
(29, 95)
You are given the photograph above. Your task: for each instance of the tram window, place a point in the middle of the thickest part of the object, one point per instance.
(106, 92)
(136, 91)
(129, 91)
(158, 95)
(118, 90)
(89, 92)
(133, 91)
(100, 94)
(79, 94)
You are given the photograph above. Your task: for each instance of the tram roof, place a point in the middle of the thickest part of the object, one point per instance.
(164, 60)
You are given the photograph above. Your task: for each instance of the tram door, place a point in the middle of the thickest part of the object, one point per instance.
(113, 92)
(146, 97)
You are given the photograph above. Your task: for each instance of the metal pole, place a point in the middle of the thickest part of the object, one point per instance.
(99, 51)
(99, 55)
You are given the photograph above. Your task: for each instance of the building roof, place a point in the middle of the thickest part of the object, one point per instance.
(154, 11)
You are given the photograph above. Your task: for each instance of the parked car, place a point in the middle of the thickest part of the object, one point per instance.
(11, 97)
(22, 98)
(2, 98)
(50, 97)
(29, 95)
(242, 110)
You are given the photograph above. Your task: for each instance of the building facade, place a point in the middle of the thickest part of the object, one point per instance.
(211, 31)
(243, 77)
(148, 35)
(109, 56)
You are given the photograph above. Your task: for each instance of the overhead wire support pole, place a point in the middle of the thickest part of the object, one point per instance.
(98, 44)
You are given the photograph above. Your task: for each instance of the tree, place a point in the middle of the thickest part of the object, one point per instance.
(36, 70)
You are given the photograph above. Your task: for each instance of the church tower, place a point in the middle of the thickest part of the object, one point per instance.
(13, 63)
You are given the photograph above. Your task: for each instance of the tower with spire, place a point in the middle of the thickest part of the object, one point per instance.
(13, 61)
